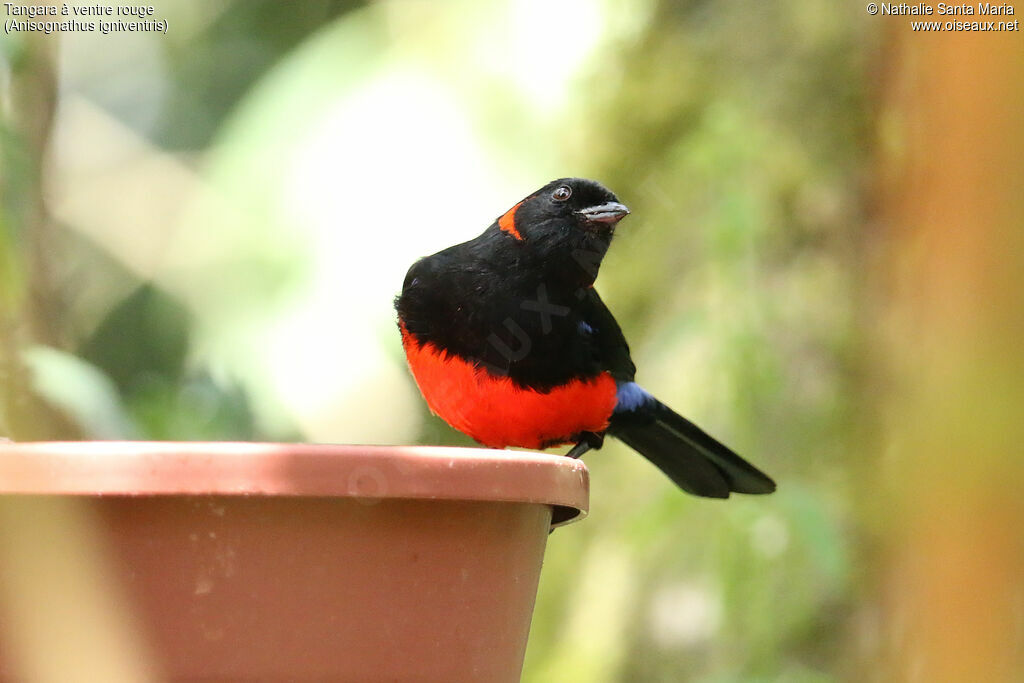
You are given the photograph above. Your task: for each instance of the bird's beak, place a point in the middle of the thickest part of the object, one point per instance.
(611, 213)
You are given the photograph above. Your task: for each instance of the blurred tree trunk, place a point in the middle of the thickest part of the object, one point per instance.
(950, 325)
(30, 309)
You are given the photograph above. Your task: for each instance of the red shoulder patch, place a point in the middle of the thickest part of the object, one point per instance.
(507, 222)
(496, 412)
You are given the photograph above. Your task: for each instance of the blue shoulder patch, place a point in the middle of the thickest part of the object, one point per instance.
(631, 396)
(585, 327)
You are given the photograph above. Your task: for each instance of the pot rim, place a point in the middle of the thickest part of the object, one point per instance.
(158, 468)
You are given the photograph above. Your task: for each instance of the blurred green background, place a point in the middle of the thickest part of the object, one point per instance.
(201, 234)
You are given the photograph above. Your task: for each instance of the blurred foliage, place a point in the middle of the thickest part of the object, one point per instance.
(284, 149)
(244, 40)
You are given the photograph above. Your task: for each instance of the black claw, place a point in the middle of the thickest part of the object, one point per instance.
(588, 440)
(578, 450)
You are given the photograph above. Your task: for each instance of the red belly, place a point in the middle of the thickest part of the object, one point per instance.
(496, 412)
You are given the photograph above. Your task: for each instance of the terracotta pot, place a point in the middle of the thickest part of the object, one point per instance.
(271, 561)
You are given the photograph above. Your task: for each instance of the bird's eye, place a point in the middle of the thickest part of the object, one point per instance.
(562, 193)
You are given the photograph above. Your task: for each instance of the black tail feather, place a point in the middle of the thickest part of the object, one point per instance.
(691, 458)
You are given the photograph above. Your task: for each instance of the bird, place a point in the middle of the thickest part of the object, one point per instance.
(510, 343)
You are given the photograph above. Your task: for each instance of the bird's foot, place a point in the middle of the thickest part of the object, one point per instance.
(588, 440)
(578, 450)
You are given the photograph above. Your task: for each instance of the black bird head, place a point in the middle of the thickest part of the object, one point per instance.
(561, 206)
(569, 218)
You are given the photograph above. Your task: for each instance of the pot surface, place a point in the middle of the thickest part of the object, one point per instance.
(274, 561)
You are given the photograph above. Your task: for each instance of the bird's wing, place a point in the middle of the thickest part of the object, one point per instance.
(608, 343)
